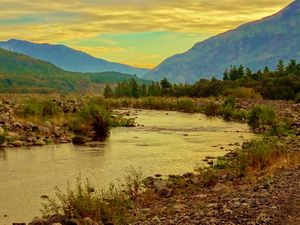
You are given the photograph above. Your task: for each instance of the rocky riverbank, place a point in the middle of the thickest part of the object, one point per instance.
(21, 132)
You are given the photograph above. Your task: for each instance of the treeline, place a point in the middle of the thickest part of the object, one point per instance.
(283, 83)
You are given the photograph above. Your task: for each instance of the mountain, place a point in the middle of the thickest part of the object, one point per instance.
(255, 45)
(67, 58)
(22, 74)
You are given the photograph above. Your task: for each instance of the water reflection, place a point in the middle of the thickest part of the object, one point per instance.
(3, 154)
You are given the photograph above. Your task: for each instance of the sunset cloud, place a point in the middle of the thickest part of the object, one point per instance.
(83, 23)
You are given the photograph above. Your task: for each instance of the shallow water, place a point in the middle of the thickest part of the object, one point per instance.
(169, 143)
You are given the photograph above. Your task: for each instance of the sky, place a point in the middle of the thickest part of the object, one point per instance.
(140, 33)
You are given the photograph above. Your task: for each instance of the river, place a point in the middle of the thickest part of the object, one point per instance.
(167, 143)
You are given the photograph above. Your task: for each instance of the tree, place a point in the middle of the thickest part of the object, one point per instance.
(134, 88)
(108, 93)
(280, 67)
(166, 86)
(226, 75)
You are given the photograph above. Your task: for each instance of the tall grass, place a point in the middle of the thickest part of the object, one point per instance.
(113, 205)
(260, 154)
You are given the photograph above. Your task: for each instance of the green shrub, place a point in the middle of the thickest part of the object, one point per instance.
(209, 176)
(230, 102)
(211, 109)
(92, 120)
(281, 129)
(186, 105)
(261, 116)
(222, 163)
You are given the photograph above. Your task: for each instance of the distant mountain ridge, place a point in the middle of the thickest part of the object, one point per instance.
(255, 45)
(67, 58)
(22, 74)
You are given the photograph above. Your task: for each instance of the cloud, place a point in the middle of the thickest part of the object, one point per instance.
(73, 22)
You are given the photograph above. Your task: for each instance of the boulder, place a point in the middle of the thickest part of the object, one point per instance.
(38, 221)
(39, 143)
(79, 140)
(18, 143)
(160, 185)
(44, 130)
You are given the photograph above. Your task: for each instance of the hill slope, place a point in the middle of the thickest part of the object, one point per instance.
(67, 58)
(255, 45)
(23, 74)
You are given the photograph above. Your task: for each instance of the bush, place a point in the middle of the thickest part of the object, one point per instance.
(111, 206)
(243, 92)
(211, 109)
(260, 154)
(222, 163)
(281, 129)
(186, 105)
(261, 116)
(230, 102)
(92, 120)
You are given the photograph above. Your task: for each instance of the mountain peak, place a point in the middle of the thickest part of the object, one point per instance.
(67, 58)
(255, 45)
(292, 8)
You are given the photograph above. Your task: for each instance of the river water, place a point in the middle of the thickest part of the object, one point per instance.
(167, 143)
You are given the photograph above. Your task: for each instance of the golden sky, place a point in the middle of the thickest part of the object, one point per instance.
(136, 32)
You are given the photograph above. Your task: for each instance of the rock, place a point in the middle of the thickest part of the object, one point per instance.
(44, 130)
(17, 125)
(57, 131)
(18, 143)
(38, 221)
(263, 217)
(160, 184)
(227, 211)
(187, 175)
(79, 140)
(31, 126)
(156, 220)
(165, 192)
(219, 187)
(88, 221)
(12, 135)
(149, 181)
(63, 221)
(2, 131)
(56, 219)
(48, 124)
(40, 143)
